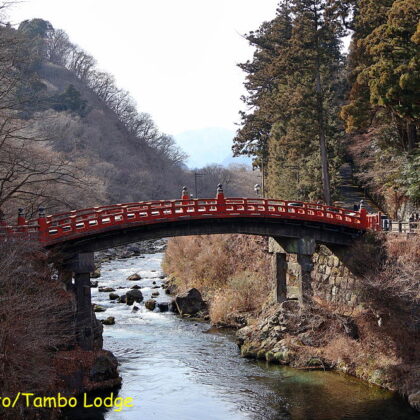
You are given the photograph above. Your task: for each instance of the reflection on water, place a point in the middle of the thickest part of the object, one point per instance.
(178, 369)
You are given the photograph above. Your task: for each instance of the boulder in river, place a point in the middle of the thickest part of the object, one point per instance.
(134, 277)
(94, 283)
(190, 302)
(163, 306)
(98, 308)
(150, 304)
(106, 289)
(172, 306)
(155, 294)
(134, 296)
(136, 286)
(96, 274)
(108, 321)
(122, 299)
(113, 296)
(105, 368)
(135, 308)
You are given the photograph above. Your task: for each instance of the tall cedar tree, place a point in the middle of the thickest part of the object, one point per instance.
(294, 96)
(265, 73)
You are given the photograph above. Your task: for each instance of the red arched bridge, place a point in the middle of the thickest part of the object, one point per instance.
(102, 227)
(295, 227)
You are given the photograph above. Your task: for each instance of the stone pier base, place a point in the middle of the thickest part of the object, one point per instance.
(82, 265)
(303, 248)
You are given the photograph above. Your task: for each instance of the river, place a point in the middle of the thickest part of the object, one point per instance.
(177, 369)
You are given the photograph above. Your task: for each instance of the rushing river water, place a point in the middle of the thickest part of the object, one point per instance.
(177, 369)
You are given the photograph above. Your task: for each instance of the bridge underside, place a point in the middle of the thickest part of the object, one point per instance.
(288, 236)
(288, 229)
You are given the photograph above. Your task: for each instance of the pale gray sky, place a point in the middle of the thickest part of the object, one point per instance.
(176, 57)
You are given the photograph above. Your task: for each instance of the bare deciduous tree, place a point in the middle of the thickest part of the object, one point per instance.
(31, 173)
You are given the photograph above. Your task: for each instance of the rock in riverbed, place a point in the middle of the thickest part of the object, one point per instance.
(134, 296)
(104, 368)
(134, 277)
(150, 304)
(113, 296)
(98, 308)
(167, 306)
(190, 303)
(163, 306)
(106, 289)
(108, 321)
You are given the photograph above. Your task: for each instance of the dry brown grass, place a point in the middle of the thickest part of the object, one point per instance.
(231, 271)
(244, 293)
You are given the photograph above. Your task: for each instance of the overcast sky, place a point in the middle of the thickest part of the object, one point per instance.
(177, 58)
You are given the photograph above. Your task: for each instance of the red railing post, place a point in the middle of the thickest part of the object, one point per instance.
(42, 225)
(379, 227)
(363, 218)
(184, 194)
(220, 199)
(21, 221)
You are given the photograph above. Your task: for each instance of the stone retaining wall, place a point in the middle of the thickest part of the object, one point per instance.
(330, 277)
(332, 281)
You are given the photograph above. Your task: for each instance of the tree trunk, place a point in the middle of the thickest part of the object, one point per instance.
(321, 124)
(411, 136)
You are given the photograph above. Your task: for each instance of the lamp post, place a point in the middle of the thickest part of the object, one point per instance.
(196, 175)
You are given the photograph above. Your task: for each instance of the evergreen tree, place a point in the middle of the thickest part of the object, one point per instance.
(382, 113)
(265, 74)
(294, 85)
(70, 100)
(386, 67)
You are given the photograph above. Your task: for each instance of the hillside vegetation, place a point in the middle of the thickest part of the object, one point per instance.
(70, 138)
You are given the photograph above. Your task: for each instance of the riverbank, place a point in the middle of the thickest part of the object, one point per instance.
(367, 327)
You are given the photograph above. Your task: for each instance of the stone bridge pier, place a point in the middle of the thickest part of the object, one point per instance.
(303, 248)
(81, 265)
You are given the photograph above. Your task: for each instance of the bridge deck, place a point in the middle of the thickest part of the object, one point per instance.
(75, 224)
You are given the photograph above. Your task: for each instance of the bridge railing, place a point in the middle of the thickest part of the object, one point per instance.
(54, 228)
